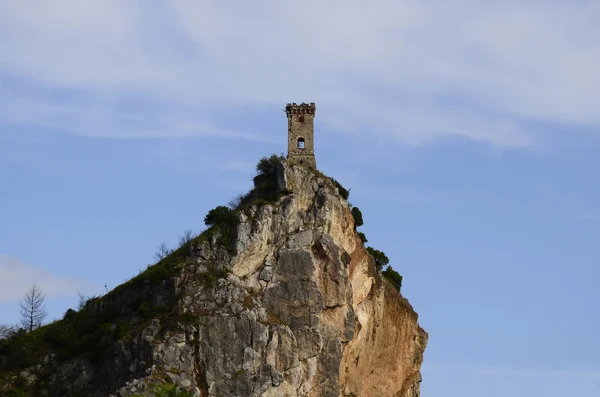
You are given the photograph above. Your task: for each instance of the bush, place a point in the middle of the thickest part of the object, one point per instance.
(220, 215)
(224, 220)
(165, 390)
(266, 190)
(16, 393)
(77, 334)
(265, 181)
(362, 237)
(211, 275)
(240, 200)
(144, 309)
(393, 277)
(269, 165)
(380, 258)
(343, 191)
(358, 218)
(171, 390)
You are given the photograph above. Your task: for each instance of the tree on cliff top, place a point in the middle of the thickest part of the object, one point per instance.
(358, 217)
(345, 193)
(393, 277)
(219, 215)
(6, 331)
(33, 308)
(381, 258)
(265, 181)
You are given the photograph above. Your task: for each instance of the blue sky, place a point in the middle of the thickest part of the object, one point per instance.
(468, 132)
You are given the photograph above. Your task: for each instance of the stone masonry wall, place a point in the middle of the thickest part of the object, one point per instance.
(301, 125)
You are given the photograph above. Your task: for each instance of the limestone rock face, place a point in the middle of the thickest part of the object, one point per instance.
(302, 311)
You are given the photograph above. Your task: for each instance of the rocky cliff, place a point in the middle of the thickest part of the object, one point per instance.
(288, 304)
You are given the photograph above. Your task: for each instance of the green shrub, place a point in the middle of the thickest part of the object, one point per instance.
(69, 314)
(380, 258)
(171, 390)
(211, 275)
(165, 390)
(393, 277)
(362, 237)
(260, 202)
(240, 200)
(15, 392)
(343, 191)
(122, 331)
(269, 165)
(266, 190)
(220, 215)
(265, 181)
(358, 218)
(144, 309)
(68, 338)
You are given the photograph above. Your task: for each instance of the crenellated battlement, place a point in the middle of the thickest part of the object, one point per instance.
(303, 108)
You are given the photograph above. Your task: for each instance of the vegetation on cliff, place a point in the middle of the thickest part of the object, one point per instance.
(91, 330)
(380, 257)
(101, 321)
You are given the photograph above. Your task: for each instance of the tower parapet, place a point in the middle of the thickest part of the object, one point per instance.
(303, 108)
(301, 133)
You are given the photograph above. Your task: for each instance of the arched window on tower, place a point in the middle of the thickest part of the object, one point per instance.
(301, 119)
(300, 143)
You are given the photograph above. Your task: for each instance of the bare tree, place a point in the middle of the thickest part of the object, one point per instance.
(6, 331)
(186, 238)
(33, 308)
(82, 301)
(162, 252)
(237, 201)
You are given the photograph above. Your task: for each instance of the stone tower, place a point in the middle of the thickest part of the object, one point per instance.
(301, 133)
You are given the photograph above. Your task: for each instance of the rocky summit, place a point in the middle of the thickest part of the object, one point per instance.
(278, 297)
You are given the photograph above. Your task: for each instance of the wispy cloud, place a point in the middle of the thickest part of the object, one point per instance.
(17, 276)
(416, 71)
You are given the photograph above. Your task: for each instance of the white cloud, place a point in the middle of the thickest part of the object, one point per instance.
(411, 70)
(16, 277)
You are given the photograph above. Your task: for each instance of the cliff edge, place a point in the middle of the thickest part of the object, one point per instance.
(287, 302)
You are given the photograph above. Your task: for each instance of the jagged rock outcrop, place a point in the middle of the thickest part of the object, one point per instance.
(296, 309)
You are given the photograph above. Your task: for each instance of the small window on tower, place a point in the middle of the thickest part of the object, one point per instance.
(300, 143)
(302, 119)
